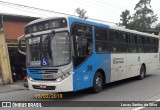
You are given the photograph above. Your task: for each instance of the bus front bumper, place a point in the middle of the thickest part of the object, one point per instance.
(51, 86)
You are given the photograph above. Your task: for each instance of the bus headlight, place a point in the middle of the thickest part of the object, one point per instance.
(59, 79)
(63, 77)
(30, 79)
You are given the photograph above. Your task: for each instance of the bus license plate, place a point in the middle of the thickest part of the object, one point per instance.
(47, 76)
(43, 86)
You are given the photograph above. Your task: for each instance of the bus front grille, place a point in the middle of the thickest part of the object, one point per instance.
(43, 79)
(43, 71)
(46, 88)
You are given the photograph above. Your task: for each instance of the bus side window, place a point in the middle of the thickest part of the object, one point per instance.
(101, 40)
(123, 39)
(132, 43)
(82, 42)
(156, 44)
(146, 44)
(152, 45)
(113, 41)
(140, 44)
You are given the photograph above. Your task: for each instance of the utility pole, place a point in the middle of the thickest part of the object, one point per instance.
(159, 48)
(4, 60)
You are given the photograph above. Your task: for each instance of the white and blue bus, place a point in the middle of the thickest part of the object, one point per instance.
(71, 54)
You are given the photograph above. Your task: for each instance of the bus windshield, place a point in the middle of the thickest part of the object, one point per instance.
(48, 50)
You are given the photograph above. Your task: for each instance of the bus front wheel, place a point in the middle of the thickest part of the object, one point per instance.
(142, 72)
(97, 82)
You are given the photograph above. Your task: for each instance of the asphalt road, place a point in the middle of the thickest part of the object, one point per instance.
(125, 90)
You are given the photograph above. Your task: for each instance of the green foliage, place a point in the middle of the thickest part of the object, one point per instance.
(143, 18)
(81, 13)
(125, 17)
(158, 27)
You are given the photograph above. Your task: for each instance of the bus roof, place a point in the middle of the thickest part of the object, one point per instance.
(44, 19)
(111, 27)
(132, 31)
(95, 23)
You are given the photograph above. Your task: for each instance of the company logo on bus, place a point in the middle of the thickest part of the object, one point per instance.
(118, 60)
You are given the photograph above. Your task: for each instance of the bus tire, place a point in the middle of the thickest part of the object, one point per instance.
(97, 82)
(142, 72)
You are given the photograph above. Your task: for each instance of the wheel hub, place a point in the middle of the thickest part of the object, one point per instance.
(98, 82)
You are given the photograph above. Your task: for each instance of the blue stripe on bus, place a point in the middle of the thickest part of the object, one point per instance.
(33, 75)
(99, 61)
(83, 79)
(103, 61)
(73, 19)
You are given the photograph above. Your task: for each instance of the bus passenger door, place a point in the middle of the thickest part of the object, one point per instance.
(86, 71)
(83, 74)
(83, 55)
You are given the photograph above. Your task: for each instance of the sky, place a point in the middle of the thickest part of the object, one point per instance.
(106, 10)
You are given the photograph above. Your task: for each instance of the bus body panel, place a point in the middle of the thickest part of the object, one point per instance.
(63, 86)
(124, 66)
(85, 72)
(128, 65)
(103, 62)
(133, 64)
(118, 67)
(37, 75)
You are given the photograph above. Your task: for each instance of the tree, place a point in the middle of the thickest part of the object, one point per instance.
(144, 16)
(125, 17)
(158, 27)
(81, 13)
